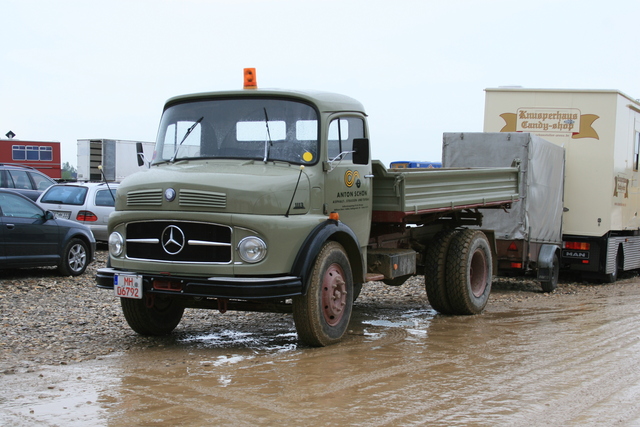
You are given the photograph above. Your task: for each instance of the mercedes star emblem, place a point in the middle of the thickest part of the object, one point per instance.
(173, 240)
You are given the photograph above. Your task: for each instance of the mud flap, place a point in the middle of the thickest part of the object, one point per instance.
(545, 262)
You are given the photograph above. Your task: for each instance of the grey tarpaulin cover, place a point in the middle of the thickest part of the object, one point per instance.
(537, 217)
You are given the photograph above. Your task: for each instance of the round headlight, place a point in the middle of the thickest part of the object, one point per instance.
(116, 244)
(252, 249)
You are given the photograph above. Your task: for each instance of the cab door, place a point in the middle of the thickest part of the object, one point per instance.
(348, 185)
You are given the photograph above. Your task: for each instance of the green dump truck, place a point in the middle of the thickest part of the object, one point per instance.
(267, 200)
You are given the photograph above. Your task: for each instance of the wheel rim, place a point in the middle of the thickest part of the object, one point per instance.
(77, 257)
(334, 294)
(478, 273)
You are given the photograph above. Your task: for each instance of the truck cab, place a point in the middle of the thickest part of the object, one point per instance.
(244, 189)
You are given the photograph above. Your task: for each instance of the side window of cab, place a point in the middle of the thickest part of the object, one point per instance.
(342, 132)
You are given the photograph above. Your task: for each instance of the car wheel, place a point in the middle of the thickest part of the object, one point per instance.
(75, 258)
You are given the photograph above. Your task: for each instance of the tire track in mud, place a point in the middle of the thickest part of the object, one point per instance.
(554, 372)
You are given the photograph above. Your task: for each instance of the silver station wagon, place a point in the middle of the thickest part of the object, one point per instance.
(89, 203)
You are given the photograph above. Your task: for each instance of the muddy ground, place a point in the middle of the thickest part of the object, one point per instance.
(567, 358)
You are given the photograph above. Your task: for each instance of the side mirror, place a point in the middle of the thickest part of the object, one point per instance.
(48, 215)
(140, 154)
(361, 151)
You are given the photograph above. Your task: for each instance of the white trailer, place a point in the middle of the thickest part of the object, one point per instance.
(600, 131)
(117, 157)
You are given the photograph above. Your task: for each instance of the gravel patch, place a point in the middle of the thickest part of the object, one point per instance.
(46, 319)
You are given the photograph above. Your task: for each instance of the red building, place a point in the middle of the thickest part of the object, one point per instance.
(44, 156)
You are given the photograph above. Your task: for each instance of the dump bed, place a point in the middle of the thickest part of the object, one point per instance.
(399, 193)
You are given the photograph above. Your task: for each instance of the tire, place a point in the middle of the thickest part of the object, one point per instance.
(551, 285)
(152, 315)
(75, 258)
(613, 277)
(357, 288)
(322, 315)
(435, 271)
(469, 272)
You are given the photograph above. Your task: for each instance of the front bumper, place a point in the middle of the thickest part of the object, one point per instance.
(247, 288)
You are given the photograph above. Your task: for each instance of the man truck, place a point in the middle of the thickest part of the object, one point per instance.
(600, 133)
(268, 200)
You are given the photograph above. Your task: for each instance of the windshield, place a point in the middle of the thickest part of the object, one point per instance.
(253, 128)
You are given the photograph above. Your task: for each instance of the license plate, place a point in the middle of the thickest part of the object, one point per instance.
(63, 215)
(127, 286)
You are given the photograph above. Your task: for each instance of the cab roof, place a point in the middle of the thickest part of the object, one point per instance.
(326, 102)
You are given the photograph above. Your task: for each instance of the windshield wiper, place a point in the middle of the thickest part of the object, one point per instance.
(186, 134)
(267, 142)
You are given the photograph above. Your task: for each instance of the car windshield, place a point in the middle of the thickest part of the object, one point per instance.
(65, 195)
(255, 128)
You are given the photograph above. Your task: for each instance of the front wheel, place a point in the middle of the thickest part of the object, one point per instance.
(75, 258)
(152, 315)
(322, 315)
(469, 272)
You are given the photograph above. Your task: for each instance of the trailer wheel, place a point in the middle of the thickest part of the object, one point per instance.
(469, 272)
(322, 315)
(435, 271)
(552, 284)
(152, 315)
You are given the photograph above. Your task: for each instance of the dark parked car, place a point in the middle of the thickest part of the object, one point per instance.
(24, 180)
(33, 237)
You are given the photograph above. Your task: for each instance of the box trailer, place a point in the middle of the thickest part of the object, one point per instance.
(600, 131)
(116, 156)
(529, 236)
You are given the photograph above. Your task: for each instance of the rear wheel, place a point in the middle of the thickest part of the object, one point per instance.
(435, 271)
(152, 315)
(469, 272)
(613, 277)
(322, 315)
(75, 258)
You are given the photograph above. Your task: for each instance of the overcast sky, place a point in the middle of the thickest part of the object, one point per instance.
(103, 69)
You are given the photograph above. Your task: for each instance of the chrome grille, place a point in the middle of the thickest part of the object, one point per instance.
(179, 241)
